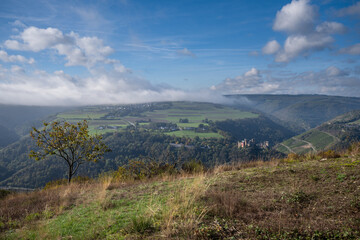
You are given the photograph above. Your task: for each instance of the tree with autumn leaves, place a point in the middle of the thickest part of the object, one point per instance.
(69, 142)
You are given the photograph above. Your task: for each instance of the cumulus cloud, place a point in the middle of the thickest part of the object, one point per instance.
(78, 51)
(353, 10)
(185, 52)
(353, 50)
(271, 47)
(295, 17)
(329, 81)
(298, 19)
(5, 57)
(250, 82)
(302, 44)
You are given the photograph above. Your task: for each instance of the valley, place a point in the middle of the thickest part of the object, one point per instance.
(161, 130)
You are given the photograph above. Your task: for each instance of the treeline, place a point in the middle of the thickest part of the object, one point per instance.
(261, 129)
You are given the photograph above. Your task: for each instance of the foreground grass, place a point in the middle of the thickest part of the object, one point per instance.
(287, 199)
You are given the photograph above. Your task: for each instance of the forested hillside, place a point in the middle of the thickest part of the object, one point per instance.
(19, 119)
(7, 136)
(303, 112)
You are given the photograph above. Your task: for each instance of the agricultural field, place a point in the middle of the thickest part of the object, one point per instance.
(320, 140)
(194, 113)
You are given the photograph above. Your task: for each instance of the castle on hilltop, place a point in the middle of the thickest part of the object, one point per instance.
(249, 143)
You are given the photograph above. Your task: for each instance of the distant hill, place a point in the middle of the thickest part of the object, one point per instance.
(20, 118)
(7, 136)
(302, 112)
(336, 133)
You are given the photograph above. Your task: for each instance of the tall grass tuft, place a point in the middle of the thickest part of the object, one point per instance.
(184, 212)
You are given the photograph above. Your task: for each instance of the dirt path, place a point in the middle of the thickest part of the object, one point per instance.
(132, 124)
(336, 138)
(288, 148)
(309, 143)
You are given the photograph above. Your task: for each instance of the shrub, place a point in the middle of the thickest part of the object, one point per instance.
(354, 149)
(4, 193)
(61, 182)
(293, 157)
(141, 168)
(193, 166)
(329, 154)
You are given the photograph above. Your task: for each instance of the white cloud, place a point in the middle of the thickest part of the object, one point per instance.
(101, 87)
(253, 72)
(330, 81)
(295, 17)
(298, 19)
(331, 28)
(18, 23)
(301, 44)
(78, 51)
(333, 71)
(249, 82)
(271, 47)
(185, 52)
(14, 58)
(36, 39)
(353, 50)
(353, 10)
(17, 69)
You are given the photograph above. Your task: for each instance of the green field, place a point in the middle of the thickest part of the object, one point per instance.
(195, 113)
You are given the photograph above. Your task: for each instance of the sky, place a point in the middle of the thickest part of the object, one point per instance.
(134, 51)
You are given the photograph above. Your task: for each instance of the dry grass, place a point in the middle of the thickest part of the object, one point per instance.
(183, 212)
(20, 208)
(290, 201)
(301, 197)
(243, 165)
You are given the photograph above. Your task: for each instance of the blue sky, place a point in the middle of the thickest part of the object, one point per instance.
(108, 52)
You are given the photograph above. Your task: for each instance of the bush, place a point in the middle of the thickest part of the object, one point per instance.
(293, 157)
(4, 193)
(61, 182)
(138, 169)
(193, 166)
(329, 154)
(354, 149)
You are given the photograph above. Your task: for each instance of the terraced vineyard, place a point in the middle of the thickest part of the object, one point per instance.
(326, 136)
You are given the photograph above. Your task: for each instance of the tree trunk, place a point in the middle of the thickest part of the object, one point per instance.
(70, 174)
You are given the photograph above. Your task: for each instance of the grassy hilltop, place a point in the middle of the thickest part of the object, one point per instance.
(300, 197)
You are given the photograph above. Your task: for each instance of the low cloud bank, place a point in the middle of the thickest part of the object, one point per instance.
(329, 81)
(41, 88)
